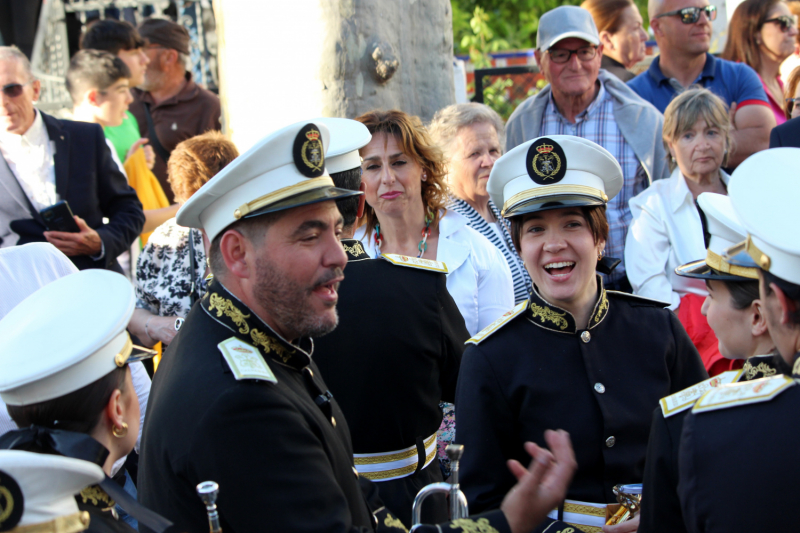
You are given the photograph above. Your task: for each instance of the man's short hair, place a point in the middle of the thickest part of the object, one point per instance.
(251, 228)
(112, 36)
(12, 52)
(94, 69)
(350, 180)
(791, 290)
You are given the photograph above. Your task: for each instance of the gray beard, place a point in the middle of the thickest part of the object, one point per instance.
(153, 80)
(287, 302)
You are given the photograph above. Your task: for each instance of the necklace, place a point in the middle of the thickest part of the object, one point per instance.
(423, 244)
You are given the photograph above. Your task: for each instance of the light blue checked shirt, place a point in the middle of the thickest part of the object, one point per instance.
(597, 124)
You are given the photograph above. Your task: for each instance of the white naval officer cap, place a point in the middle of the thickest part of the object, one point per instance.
(36, 489)
(764, 191)
(553, 172)
(67, 335)
(724, 231)
(347, 137)
(283, 170)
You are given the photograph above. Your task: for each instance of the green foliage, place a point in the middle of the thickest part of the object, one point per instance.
(512, 24)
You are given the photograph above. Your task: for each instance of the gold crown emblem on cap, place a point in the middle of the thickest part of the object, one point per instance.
(312, 135)
(545, 148)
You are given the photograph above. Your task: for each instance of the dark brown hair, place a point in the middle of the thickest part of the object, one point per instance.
(417, 144)
(94, 69)
(79, 411)
(791, 290)
(197, 160)
(595, 216)
(112, 36)
(607, 14)
(745, 23)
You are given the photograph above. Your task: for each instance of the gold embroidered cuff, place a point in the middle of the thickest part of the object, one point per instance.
(63, 524)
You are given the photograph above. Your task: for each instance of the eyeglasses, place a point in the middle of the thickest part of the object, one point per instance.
(690, 15)
(790, 103)
(784, 21)
(12, 90)
(561, 55)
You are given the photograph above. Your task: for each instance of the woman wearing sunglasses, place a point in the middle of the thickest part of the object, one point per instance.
(762, 34)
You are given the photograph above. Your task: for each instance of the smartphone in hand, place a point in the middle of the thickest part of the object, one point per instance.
(58, 217)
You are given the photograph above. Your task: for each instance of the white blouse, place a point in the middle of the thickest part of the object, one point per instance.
(478, 278)
(665, 233)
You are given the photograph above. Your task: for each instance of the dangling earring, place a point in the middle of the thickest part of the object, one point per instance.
(121, 431)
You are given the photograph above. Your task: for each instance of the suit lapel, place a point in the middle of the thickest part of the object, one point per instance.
(60, 138)
(11, 185)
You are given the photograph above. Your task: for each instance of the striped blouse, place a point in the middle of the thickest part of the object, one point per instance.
(519, 275)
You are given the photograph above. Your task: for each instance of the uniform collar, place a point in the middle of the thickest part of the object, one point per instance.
(354, 250)
(549, 316)
(226, 309)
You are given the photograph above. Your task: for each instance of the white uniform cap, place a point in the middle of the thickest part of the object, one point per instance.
(40, 488)
(724, 231)
(66, 335)
(347, 137)
(564, 22)
(285, 169)
(764, 191)
(553, 172)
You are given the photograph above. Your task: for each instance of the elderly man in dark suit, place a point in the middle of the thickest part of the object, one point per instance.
(786, 135)
(45, 160)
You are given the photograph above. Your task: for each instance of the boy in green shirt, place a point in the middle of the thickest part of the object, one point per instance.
(121, 39)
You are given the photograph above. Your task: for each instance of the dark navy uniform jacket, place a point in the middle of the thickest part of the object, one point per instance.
(393, 357)
(662, 513)
(601, 384)
(737, 467)
(280, 451)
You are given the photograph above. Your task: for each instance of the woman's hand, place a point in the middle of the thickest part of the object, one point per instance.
(543, 485)
(149, 154)
(630, 526)
(161, 328)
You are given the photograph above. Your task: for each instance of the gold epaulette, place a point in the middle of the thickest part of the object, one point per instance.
(416, 262)
(681, 401)
(749, 392)
(504, 319)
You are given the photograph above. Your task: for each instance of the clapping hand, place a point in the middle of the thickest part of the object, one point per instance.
(543, 485)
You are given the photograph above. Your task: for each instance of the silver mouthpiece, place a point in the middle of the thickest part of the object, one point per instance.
(208, 492)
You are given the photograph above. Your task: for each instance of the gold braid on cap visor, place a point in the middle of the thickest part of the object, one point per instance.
(282, 194)
(719, 264)
(758, 256)
(124, 356)
(547, 191)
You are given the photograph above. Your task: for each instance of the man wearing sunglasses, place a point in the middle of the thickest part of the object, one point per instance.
(45, 160)
(682, 30)
(586, 101)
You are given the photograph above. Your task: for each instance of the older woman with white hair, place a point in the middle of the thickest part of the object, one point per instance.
(472, 137)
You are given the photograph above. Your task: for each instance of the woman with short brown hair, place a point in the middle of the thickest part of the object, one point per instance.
(172, 267)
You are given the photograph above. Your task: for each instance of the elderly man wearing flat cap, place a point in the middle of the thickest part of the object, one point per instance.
(585, 101)
(238, 398)
(169, 106)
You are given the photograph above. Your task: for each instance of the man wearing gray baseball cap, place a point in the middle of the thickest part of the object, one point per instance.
(585, 101)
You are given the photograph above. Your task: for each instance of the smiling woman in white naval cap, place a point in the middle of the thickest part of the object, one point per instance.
(737, 463)
(574, 356)
(65, 377)
(735, 314)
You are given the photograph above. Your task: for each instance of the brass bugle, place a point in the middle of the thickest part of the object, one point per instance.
(457, 500)
(629, 498)
(208, 492)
